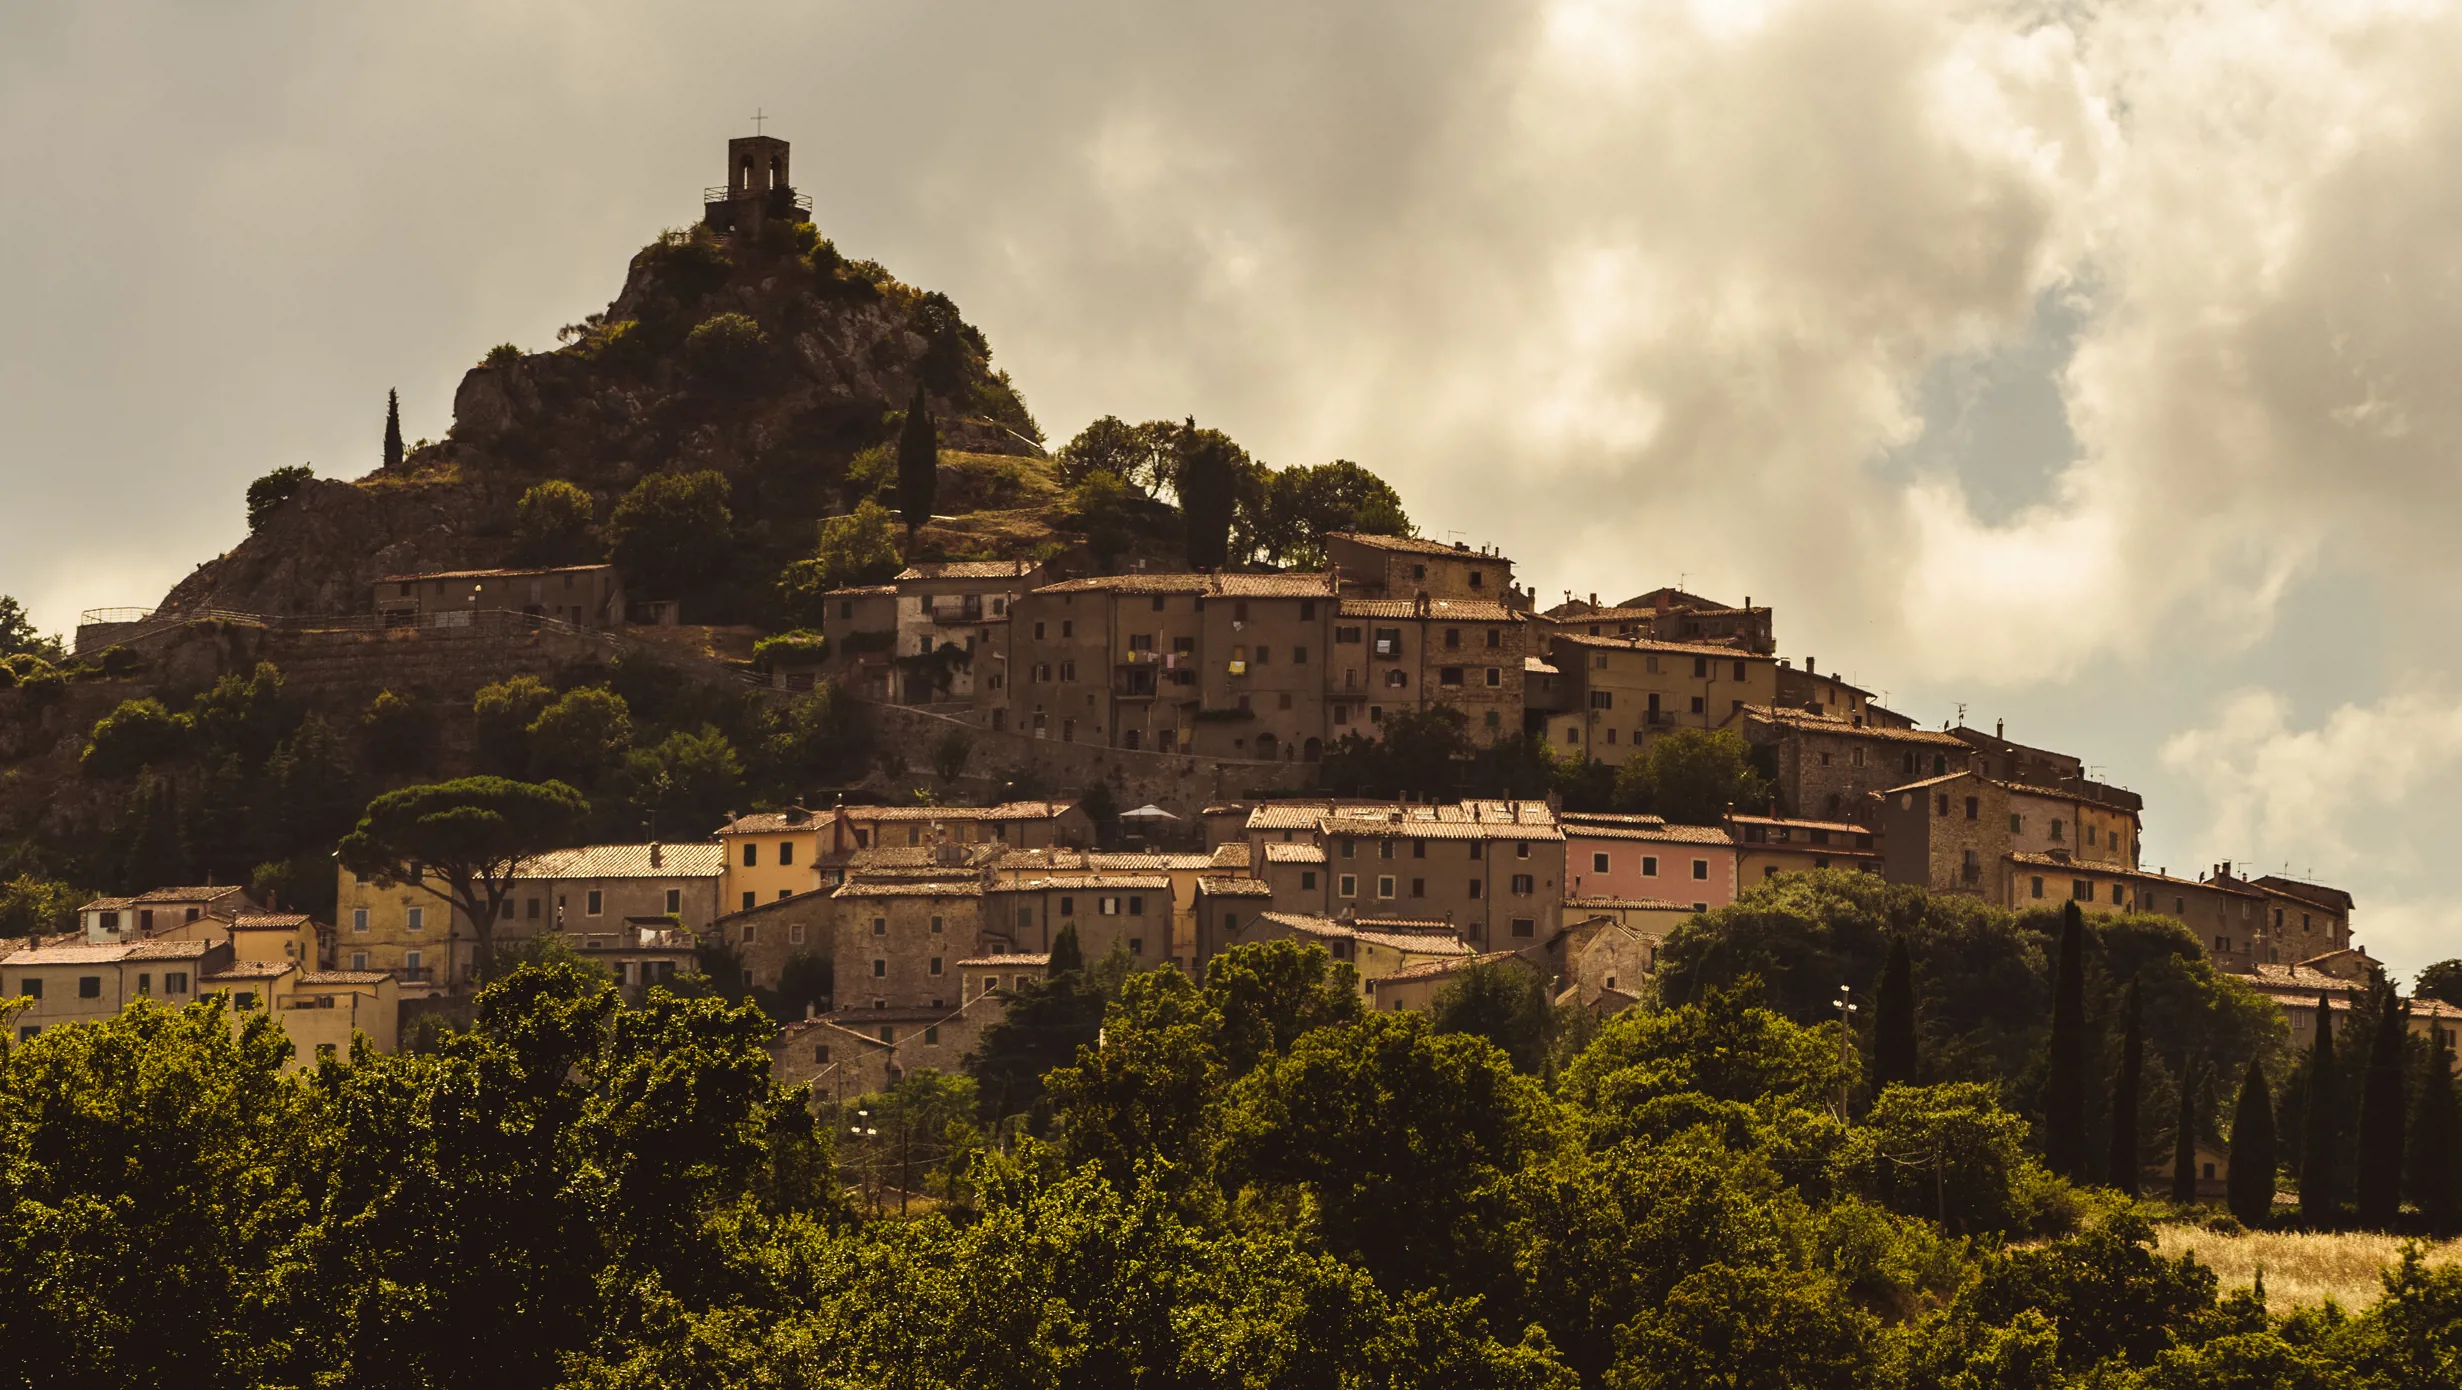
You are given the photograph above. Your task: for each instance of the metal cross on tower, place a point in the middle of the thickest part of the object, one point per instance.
(757, 118)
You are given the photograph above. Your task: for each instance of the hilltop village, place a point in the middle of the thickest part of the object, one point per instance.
(1027, 725)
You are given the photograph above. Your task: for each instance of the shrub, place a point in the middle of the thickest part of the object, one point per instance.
(117, 662)
(802, 647)
(728, 350)
(1948, 1152)
(551, 524)
(140, 733)
(685, 265)
(267, 494)
(34, 906)
(671, 531)
(582, 736)
(501, 355)
(396, 732)
(503, 713)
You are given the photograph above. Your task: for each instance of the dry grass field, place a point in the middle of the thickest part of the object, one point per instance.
(2300, 1267)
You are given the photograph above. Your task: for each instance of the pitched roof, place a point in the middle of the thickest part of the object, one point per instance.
(1230, 854)
(1809, 722)
(1307, 923)
(269, 921)
(2090, 866)
(863, 591)
(1634, 904)
(1014, 961)
(1654, 834)
(188, 895)
(345, 977)
(83, 954)
(1443, 610)
(1437, 969)
(1648, 644)
(2332, 899)
(1844, 826)
(1154, 882)
(970, 569)
(106, 904)
(491, 574)
(773, 822)
(1276, 852)
(934, 888)
(1412, 545)
(690, 859)
(1234, 888)
(252, 970)
(1006, 810)
(1302, 584)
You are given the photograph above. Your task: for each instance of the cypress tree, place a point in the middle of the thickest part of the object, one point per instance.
(2064, 1087)
(1893, 1028)
(1066, 957)
(2184, 1138)
(2251, 1183)
(2378, 1181)
(2124, 1157)
(918, 464)
(2317, 1144)
(1209, 495)
(2432, 1158)
(393, 429)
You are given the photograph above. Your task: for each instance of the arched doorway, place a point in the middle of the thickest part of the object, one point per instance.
(1267, 749)
(1312, 751)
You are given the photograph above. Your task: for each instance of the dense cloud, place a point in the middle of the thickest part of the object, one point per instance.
(2049, 353)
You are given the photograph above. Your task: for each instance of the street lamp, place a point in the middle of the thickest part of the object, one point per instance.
(1844, 1007)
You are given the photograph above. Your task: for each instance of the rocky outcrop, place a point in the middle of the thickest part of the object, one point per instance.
(805, 359)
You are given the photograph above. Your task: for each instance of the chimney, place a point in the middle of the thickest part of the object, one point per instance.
(811, 1008)
(1807, 666)
(2000, 729)
(1658, 600)
(1594, 598)
(657, 859)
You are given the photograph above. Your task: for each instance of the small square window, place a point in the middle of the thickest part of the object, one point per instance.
(1598, 863)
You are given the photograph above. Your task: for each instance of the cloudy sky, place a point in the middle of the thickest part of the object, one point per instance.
(2071, 362)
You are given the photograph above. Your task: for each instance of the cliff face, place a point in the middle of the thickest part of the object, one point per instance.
(767, 358)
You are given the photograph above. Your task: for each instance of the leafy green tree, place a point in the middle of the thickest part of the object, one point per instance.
(1947, 1152)
(1503, 1002)
(950, 753)
(468, 834)
(1393, 1131)
(688, 779)
(581, 737)
(1207, 473)
(729, 353)
(1893, 1023)
(153, 848)
(918, 464)
(137, 734)
(1142, 1094)
(2441, 981)
(1648, 1072)
(244, 717)
(316, 796)
(393, 429)
(1267, 995)
(1103, 809)
(551, 524)
(671, 533)
(1045, 1024)
(1305, 505)
(822, 736)
(501, 715)
(151, 1171)
(2383, 1099)
(267, 494)
(2107, 1289)
(1137, 455)
(31, 905)
(2321, 1141)
(1106, 510)
(1692, 776)
(2064, 1082)
(2433, 1171)
(1419, 752)
(19, 636)
(2125, 1160)
(2251, 1182)
(1747, 1327)
(860, 547)
(397, 732)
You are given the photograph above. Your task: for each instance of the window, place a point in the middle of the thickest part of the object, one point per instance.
(1701, 868)
(1107, 906)
(1136, 945)
(1974, 808)
(243, 1001)
(889, 1032)
(1602, 699)
(176, 981)
(1068, 907)
(2116, 896)
(751, 929)
(1346, 635)
(1347, 886)
(593, 903)
(2038, 885)
(1068, 670)
(936, 965)
(675, 901)
(1419, 887)
(2056, 827)
(1477, 888)
(879, 967)
(1384, 886)
(26, 1031)
(418, 918)
(1598, 863)
(1307, 879)
(931, 1031)
(1697, 704)
(752, 854)
(1522, 885)
(89, 986)
(145, 982)
(880, 926)
(1524, 926)
(748, 901)
(1521, 849)
(1449, 675)
(1299, 656)
(1649, 866)
(1136, 905)
(820, 1052)
(1384, 849)
(531, 909)
(358, 919)
(1068, 628)
(1944, 805)
(2082, 890)
(786, 852)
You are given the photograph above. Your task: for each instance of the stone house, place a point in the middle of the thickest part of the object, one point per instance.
(1601, 962)
(896, 944)
(981, 975)
(1391, 655)
(1182, 870)
(1372, 947)
(1827, 696)
(589, 596)
(2228, 921)
(1767, 846)
(778, 854)
(1620, 691)
(1677, 616)
(1949, 834)
(775, 931)
(1624, 856)
(963, 605)
(160, 913)
(861, 625)
(1415, 987)
(1828, 768)
(832, 1061)
(1495, 870)
(1225, 907)
(1405, 567)
(1126, 912)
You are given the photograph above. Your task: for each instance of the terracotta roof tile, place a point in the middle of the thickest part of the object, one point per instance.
(689, 859)
(1016, 961)
(1443, 610)
(1412, 545)
(1645, 644)
(970, 569)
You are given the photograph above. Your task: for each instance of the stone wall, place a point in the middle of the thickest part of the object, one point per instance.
(1179, 783)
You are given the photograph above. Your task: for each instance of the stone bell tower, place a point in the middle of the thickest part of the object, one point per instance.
(756, 189)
